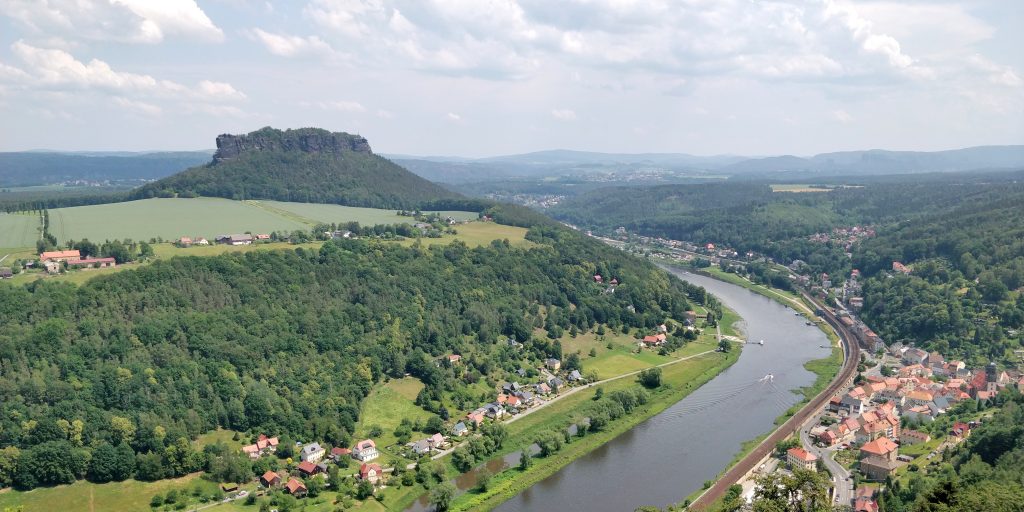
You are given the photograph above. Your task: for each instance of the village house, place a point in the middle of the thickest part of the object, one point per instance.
(337, 453)
(202, 241)
(262, 237)
(915, 356)
(878, 458)
(270, 479)
(800, 458)
(365, 450)
(92, 262)
(295, 487)
(864, 501)
(262, 446)
(574, 376)
(899, 267)
(436, 441)
(494, 411)
(311, 452)
(655, 340)
(6, 273)
(460, 429)
(309, 469)
(371, 473)
(421, 447)
(553, 364)
(477, 417)
(911, 437)
(543, 388)
(184, 242)
(454, 359)
(241, 239)
(960, 430)
(525, 396)
(52, 267)
(59, 256)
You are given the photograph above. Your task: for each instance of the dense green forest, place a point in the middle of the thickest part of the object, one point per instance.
(986, 472)
(307, 165)
(129, 367)
(963, 294)
(962, 234)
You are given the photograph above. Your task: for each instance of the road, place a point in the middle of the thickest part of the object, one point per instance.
(840, 476)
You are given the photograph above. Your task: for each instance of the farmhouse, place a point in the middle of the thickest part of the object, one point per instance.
(59, 255)
(92, 262)
(5, 273)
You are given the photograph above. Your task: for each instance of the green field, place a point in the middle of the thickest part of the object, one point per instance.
(165, 218)
(82, 496)
(19, 229)
(327, 213)
(387, 406)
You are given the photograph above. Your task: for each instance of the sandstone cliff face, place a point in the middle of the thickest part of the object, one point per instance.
(309, 140)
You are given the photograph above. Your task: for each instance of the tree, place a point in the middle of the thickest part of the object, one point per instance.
(314, 486)
(650, 378)
(103, 464)
(441, 496)
(525, 459)
(364, 490)
(724, 346)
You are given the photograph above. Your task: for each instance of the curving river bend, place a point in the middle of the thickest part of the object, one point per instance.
(669, 456)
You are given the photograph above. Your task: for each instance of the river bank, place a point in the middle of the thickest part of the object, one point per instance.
(678, 382)
(825, 369)
(680, 377)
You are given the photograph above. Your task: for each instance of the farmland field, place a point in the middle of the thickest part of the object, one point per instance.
(166, 218)
(207, 217)
(314, 212)
(19, 229)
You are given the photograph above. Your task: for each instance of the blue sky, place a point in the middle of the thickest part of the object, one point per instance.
(480, 77)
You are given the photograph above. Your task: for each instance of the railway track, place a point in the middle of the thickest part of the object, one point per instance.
(851, 356)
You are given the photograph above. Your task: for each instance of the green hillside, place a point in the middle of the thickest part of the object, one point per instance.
(308, 165)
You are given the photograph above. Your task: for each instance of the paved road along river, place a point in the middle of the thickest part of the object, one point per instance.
(664, 459)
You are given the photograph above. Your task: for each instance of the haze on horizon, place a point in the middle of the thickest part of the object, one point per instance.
(483, 78)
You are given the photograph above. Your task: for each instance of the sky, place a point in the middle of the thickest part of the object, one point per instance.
(491, 77)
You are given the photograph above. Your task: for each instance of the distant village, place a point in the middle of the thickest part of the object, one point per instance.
(314, 460)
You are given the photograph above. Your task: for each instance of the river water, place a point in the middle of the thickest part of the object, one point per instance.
(669, 456)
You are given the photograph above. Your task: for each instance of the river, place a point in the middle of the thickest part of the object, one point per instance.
(669, 456)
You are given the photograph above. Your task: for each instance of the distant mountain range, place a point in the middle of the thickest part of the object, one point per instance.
(846, 163)
(45, 167)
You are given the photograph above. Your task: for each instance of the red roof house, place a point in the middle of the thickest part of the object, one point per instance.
(270, 479)
(295, 487)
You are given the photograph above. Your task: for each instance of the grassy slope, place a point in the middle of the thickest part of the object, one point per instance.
(82, 496)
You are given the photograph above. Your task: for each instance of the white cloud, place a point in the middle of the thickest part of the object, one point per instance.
(140, 107)
(563, 114)
(385, 114)
(343, 106)
(133, 21)
(451, 116)
(292, 46)
(57, 72)
(842, 116)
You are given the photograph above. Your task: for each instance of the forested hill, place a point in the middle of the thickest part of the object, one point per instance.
(307, 165)
(288, 342)
(962, 236)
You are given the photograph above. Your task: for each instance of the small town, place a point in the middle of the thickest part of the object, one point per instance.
(901, 412)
